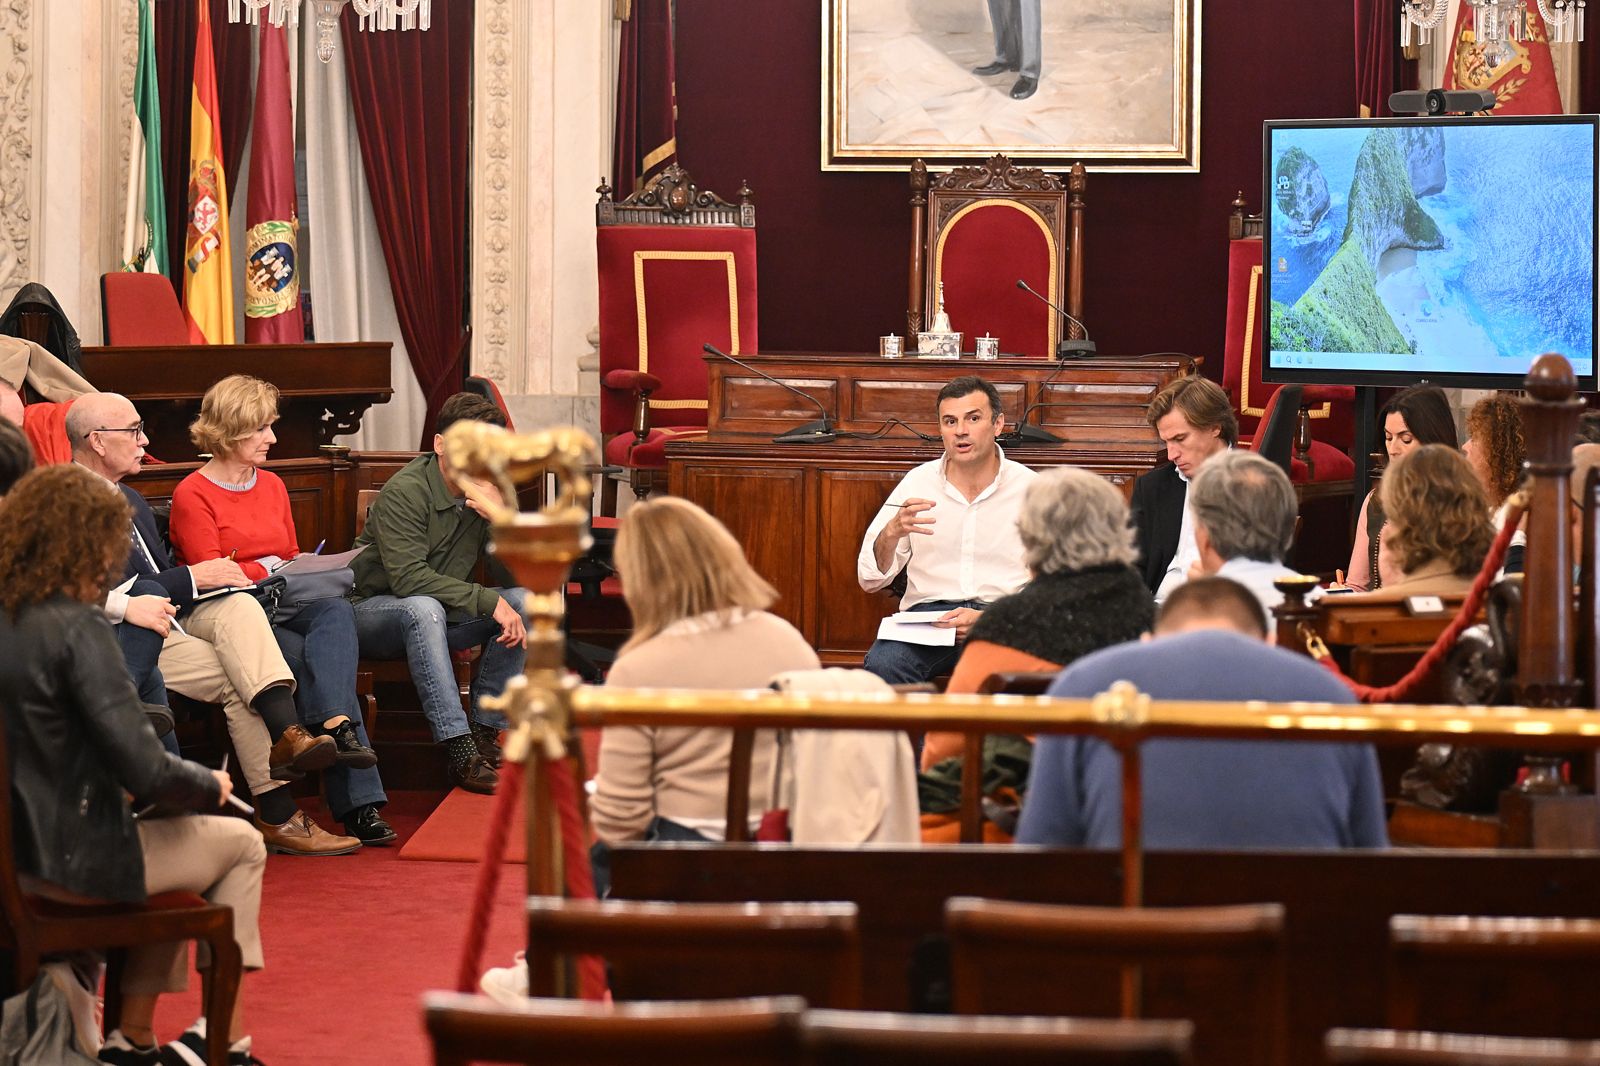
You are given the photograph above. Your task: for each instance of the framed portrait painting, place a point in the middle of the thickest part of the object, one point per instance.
(1113, 83)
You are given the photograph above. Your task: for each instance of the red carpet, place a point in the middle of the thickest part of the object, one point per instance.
(456, 831)
(352, 942)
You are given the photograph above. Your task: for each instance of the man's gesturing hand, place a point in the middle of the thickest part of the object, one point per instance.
(150, 612)
(911, 519)
(512, 632)
(218, 573)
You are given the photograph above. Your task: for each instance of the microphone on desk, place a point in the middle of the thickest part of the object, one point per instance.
(819, 432)
(1025, 433)
(1066, 348)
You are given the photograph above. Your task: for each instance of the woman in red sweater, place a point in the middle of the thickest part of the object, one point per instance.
(233, 506)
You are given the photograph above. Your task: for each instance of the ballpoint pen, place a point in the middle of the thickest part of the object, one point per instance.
(320, 545)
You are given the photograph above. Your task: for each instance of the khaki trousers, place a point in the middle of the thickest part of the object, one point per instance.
(227, 656)
(220, 858)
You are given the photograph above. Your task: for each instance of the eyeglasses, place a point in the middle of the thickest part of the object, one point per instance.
(137, 429)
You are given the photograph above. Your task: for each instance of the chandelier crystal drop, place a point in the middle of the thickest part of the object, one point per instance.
(373, 14)
(1418, 20)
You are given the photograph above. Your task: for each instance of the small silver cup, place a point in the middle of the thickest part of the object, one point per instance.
(986, 347)
(890, 347)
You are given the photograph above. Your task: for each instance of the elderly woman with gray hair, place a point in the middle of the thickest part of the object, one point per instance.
(1085, 593)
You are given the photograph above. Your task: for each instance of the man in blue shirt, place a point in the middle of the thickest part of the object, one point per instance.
(1209, 644)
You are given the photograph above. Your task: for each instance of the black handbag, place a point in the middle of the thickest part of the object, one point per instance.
(292, 592)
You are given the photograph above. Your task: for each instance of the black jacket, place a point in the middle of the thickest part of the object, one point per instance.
(77, 740)
(1157, 513)
(175, 579)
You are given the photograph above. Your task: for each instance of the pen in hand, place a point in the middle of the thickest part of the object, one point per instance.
(320, 545)
(232, 799)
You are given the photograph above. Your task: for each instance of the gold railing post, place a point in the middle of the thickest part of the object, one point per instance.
(539, 549)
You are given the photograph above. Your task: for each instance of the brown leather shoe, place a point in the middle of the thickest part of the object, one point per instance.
(301, 836)
(477, 776)
(297, 753)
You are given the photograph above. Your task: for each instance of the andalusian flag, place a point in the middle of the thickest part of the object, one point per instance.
(144, 231)
(207, 261)
(272, 259)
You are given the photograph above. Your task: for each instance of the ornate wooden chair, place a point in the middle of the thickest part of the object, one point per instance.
(702, 950)
(1498, 976)
(978, 231)
(36, 921)
(1384, 1047)
(565, 1032)
(677, 268)
(1221, 967)
(1325, 424)
(870, 1038)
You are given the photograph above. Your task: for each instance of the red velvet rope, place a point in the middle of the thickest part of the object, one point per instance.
(1441, 647)
(575, 860)
(506, 795)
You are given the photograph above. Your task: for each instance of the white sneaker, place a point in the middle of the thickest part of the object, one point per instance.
(507, 984)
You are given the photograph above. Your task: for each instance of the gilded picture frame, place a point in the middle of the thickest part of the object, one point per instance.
(1112, 83)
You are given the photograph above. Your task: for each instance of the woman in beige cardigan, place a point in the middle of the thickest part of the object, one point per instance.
(699, 621)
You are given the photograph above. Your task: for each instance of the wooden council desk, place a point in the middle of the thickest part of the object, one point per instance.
(800, 510)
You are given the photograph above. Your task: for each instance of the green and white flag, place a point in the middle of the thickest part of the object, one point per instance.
(144, 228)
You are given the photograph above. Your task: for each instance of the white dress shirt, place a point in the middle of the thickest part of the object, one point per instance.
(1188, 552)
(1258, 577)
(973, 553)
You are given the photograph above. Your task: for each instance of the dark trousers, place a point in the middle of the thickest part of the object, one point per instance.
(900, 663)
(660, 830)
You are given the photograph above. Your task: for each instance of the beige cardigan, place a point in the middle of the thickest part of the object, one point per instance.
(682, 773)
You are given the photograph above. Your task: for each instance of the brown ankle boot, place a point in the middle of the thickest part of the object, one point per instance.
(297, 753)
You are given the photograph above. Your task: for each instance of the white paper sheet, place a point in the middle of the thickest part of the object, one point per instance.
(916, 632)
(307, 563)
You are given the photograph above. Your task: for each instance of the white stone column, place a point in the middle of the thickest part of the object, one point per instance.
(541, 138)
(22, 47)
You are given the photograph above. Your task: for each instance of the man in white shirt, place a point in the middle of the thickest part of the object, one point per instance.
(1244, 510)
(951, 524)
(1195, 421)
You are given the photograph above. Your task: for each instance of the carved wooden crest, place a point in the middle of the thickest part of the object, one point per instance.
(672, 198)
(998, 175)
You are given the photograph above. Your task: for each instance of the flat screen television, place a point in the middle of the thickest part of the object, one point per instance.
(1455, 250)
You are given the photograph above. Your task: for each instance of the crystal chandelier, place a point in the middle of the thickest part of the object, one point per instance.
(1494, 20)
(374, 15)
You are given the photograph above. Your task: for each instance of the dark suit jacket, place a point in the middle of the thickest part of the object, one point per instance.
(174, 579)
(1157, 511)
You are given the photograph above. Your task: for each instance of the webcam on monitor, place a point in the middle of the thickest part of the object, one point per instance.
(1441, 102)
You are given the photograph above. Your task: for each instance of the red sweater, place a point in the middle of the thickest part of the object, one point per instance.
(209, 521)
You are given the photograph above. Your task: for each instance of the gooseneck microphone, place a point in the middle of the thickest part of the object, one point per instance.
(1066, 348)
(819, 432)
(1024, 432)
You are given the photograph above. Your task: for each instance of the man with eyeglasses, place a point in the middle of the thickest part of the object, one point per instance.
(215, 650)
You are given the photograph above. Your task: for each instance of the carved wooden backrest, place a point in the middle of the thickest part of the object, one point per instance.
(1053, 205)
(677, 269)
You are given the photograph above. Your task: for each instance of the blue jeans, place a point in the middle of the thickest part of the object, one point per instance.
(900, 663)
(319, 644)
(659, 831)
(417, 629)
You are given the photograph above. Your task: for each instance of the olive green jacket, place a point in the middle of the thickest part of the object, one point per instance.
(423, 542)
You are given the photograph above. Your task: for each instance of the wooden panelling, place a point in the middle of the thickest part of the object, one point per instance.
(765, 508)
(849, 499)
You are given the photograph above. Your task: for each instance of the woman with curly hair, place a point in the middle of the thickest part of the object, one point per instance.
(79, 744)
(1438, 529)
(1495, 445)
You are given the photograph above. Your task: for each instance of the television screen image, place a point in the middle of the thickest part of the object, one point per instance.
(1452, 249)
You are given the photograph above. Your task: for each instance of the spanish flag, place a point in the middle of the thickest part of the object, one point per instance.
(207, 261)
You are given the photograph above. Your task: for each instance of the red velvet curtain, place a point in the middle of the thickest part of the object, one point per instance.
(410, 92)
(176, 21)
(1377, 48)
(646, 135)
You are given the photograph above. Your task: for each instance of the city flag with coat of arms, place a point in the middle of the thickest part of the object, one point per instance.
(1517, 69)
(207, 259)
(271, 248)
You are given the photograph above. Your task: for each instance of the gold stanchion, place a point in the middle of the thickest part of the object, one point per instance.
(539, 549)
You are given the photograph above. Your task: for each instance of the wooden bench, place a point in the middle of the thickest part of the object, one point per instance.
(1337, 905)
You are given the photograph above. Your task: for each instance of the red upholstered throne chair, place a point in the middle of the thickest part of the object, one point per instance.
(1327, 417)
(677, 270)
(978, 230)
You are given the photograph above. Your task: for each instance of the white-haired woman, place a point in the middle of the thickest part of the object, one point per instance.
(1085, 594)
